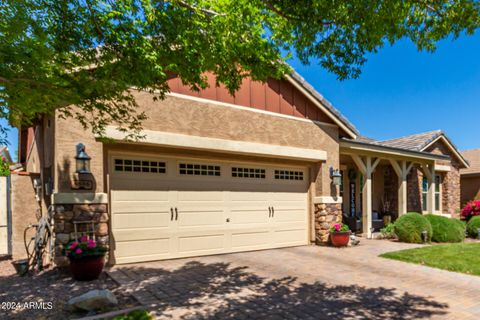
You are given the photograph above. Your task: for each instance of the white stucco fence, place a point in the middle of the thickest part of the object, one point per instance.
(5, 218)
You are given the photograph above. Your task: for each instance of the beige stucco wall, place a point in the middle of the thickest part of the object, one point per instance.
(24, 209)
(470, 188)
(186, 116)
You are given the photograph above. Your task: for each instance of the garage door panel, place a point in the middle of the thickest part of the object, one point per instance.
(135, 234)
(201, 217)
(141, 219)
(249, 216)
(200, 196)
(250, 240)
(290, 215)
(201, 243)
(148, 249)
(290, 237)
(137, 196)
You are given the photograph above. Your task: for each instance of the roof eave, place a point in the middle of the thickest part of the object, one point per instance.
(451, 146)
(323, 104)
(392, 150)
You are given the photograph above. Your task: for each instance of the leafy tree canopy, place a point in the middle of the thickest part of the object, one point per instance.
(55, 53)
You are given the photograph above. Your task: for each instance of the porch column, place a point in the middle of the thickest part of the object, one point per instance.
(429, 171)
(366, 167)
(402, 169)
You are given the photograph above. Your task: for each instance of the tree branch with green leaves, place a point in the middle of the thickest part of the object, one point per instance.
(89, 53)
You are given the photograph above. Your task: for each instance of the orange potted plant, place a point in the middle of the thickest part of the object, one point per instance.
(340, 235)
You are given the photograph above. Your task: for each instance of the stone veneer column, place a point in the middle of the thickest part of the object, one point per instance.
(326, 215)
(66, 214)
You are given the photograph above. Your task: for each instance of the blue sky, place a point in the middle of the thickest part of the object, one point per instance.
(402, 91)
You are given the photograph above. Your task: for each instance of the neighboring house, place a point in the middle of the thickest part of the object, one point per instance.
(471, 176)
(218, 174)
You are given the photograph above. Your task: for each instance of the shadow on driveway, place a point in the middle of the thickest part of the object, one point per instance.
(218, 291)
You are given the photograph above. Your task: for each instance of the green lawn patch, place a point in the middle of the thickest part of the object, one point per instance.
(457, 257)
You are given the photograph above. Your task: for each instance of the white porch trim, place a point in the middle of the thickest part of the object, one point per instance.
(79, 198)
(177, 140)
(327, 200)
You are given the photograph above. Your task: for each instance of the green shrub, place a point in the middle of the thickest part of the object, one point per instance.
(388, 232)
(135, 315)
(446, 229)
(409, 227)
(472, 226)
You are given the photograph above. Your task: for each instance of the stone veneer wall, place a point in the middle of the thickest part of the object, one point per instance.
(451, 192)
(67, 214)
(326, 215)
(414, 190)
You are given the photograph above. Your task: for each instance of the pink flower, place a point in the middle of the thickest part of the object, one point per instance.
(337, 227)
(78, 251)
(73, 245)
(91, 244)
(84, 239)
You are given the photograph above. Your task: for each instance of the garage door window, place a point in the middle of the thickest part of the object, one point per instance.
(255, 173)
(146, 166)
(288, 175)
(192, 169)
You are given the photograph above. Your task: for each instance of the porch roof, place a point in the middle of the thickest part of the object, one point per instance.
(374, 147)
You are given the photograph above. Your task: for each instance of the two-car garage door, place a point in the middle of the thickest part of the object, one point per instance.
(170, 207)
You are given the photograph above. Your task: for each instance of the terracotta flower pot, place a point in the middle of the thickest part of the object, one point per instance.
(87, 268)
(340, 239)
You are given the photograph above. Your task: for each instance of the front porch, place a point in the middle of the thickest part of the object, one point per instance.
(381, 181)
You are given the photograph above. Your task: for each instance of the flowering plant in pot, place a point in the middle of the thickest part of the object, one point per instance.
(471, 209)
(340, 235)
(87, 258)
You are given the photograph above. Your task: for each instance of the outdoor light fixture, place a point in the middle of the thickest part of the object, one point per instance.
(82, 159)
(336, 176)
(424, 236)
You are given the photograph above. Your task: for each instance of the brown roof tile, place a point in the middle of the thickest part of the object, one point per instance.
(416, 142)
(473, 156)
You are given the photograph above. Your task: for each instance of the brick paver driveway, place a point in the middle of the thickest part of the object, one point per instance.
(302, 283)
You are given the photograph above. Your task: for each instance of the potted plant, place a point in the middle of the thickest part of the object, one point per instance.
(87, 258)
(471, 209)
(340, 235)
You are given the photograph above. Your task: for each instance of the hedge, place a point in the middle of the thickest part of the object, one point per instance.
(446, 229)
(409, 227)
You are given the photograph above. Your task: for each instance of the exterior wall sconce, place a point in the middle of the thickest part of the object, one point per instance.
(82, 159)
(336, 176)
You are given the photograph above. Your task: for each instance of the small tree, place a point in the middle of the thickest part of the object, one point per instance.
(89, 53)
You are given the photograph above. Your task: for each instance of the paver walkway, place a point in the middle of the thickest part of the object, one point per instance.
(302, 283)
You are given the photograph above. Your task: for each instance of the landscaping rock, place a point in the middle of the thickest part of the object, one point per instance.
(94, 300)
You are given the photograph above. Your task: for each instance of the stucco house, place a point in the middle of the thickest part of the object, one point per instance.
(470, 177)
(218, 174)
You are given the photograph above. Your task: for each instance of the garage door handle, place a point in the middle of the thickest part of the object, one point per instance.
(171, 217)
(176, 213)
(269, 212)
(273, 212)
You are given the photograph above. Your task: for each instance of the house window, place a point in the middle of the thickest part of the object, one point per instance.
(438, 193)
(288, 175)
(146, 166)
(248, 173)
(199, 169)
